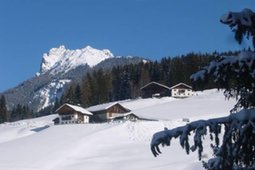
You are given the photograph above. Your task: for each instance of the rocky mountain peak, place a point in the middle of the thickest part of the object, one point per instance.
(60, 59)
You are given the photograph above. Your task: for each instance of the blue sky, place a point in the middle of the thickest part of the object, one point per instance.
(148, 28)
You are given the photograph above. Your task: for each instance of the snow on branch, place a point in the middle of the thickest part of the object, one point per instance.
(234, 74)
(235, 137)
(245, 17)
(238, 64)
(242, 24)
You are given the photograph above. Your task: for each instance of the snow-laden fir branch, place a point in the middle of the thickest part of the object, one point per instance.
(234, 74)
(238, 140)
(242, 24)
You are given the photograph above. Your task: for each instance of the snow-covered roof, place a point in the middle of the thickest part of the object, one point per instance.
(183, 84)
(131, 113)
(104, 106)
(153, 82)
(123, 115)
(76, 108)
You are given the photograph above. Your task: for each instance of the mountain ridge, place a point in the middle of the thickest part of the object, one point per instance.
(60, 67)
(61, 59)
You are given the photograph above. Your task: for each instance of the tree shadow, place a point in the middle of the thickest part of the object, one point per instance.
(39, 129)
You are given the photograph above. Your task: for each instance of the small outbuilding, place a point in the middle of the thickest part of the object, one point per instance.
(126, 116)
(72, 114)
(181, 90)
(105, 112)
(154, 89)
(56, 121)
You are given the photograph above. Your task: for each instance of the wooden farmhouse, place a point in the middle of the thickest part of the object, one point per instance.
(181, 90)
(106, 112)
(154, 89)
(72, 114)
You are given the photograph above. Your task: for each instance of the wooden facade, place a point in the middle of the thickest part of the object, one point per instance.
(154, 89)
(73, 114)
(107, 111)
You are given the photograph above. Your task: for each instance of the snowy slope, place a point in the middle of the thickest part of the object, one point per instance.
(59, 60)
(32, 145)
(203, 104)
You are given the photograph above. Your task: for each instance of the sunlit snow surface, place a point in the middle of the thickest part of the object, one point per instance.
(36, 144)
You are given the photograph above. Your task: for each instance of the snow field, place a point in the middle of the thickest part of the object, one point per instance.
(36, 144)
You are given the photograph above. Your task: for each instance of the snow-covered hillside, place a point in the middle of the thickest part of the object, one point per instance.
(36, 144)
(60, 59)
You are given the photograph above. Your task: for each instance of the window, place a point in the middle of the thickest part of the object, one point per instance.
(66, 117)
(181, 91)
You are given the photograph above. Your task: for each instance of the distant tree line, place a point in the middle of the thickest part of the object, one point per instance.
(4, 116)
(124, 82)
(119, 83)
(19, 112)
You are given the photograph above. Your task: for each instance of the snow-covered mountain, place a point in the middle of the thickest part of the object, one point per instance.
(60, 59)
(59, 67)
(36, 144)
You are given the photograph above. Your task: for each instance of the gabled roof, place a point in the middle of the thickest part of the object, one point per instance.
(104, 106)
(76, 108)
(181, 84)
(153, 82)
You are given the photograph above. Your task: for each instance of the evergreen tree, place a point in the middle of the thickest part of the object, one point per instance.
(77, 94)
(68, 96)
(125, 88)
(134, 84)
(57, 104)
(234, 74)
(21, 112)
(145, 74)
(3, 110)
(86, 91)
(103, 84)
(16, 113)
(115, 74)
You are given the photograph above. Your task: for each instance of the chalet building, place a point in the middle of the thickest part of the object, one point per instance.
(181, 90)
(125, 116)
(106, 112)
(154, 89)
(72, 114)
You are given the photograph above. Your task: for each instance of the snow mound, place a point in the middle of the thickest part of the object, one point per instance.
(60, 59)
